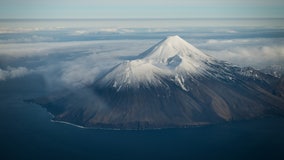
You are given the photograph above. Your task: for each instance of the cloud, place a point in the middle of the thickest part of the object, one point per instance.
(81, 62)
(78, 75)
(11, 72)
(70, 63)
(79, 32)
(247, 52)
(227, 41)
(256, 56)
(107, 30)
(42, 48)
(33, 38)
(12, 29)
(117, 30)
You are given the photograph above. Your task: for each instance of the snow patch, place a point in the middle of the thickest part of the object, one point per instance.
(180, 81)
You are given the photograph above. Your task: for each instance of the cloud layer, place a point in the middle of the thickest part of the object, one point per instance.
(257, 52)
(78, 56)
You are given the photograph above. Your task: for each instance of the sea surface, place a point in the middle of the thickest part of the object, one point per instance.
(27, 133)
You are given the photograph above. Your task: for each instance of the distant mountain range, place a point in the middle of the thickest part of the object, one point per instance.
(172, 84)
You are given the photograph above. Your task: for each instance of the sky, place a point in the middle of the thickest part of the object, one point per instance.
(100, 9)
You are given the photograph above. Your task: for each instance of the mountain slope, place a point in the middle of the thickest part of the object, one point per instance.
(172, 84)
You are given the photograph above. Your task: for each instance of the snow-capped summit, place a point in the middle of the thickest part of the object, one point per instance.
(170, 47)
(177, 55)
(172, 56)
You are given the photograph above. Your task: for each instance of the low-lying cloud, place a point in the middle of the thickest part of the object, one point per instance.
(11, 72)
(252, 56)
(247, 52)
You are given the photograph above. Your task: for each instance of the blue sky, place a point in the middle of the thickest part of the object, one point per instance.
(141, 9)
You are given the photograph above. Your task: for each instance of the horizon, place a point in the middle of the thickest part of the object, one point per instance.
(170, 23)
(203, 18)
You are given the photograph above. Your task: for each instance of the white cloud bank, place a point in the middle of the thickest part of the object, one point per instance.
(12, 72)
(247, 52)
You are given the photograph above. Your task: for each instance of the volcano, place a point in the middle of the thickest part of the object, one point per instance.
(172, 84)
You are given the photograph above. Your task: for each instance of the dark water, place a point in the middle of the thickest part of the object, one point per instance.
(27, 133)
